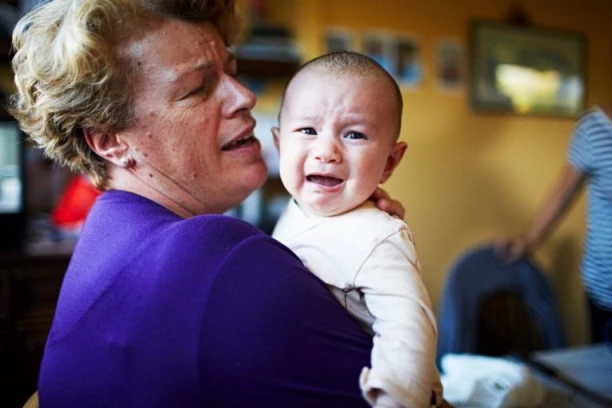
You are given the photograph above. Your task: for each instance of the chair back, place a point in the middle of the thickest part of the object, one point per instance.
(493, 308)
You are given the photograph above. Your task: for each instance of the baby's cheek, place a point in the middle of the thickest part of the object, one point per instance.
(367, 184)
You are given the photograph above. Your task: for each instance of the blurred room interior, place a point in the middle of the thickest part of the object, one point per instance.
(469, 175)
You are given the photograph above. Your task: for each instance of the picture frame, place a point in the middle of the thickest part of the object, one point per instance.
(339, 39)
(450, 66)
(527, 71)
(408, 62)
(380, 46)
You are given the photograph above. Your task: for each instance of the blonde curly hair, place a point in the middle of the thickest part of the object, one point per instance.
(70, 75)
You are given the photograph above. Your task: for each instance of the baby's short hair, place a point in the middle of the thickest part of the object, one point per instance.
(352, 63)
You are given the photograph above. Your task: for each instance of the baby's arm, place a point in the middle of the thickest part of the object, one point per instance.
(405, 330)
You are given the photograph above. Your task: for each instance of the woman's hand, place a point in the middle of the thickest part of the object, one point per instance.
(385, 203)
(511, 250)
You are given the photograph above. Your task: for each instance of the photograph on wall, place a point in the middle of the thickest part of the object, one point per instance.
(408, 69)
(379, 47)
(11, 176)
(527, 71)
(450, 65)
(339, 40)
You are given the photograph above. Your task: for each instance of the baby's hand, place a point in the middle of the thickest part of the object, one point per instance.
(385, 203)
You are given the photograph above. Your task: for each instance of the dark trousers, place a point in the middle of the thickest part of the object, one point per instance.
(601, 322)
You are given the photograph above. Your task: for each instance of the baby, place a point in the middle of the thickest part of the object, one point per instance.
(339, 122)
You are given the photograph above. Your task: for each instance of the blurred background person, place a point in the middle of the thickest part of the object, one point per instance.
(589, 162)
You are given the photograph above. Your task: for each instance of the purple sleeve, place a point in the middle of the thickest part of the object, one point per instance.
(274, 336)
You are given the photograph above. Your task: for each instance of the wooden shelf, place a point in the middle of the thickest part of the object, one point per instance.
(6, 52)
(29, 288)
(266, 68)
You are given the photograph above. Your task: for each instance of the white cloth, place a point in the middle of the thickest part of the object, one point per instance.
(369, 261)
(489, 382)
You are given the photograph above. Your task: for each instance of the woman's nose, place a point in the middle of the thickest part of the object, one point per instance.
(241, 98)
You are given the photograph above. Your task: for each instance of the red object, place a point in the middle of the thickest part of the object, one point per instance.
(259, 8)
(75, 202)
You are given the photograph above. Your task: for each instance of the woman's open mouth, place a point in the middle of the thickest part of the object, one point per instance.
(237, 144)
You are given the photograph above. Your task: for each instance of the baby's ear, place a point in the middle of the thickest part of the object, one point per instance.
(394, 158)
(276, 136)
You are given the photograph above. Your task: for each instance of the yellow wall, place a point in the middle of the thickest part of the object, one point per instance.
(468, 177)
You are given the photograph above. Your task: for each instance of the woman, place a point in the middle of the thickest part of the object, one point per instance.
(166, 303)
(589, 162)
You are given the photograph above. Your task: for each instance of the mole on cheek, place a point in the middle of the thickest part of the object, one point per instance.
(150, 175)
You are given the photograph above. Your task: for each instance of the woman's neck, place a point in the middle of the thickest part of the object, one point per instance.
(167, 196)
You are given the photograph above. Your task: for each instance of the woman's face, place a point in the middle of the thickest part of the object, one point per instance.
(192, 137)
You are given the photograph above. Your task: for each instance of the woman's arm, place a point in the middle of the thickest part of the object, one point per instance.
(274, 336)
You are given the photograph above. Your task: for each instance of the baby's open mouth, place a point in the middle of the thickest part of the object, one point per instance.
(328, 181)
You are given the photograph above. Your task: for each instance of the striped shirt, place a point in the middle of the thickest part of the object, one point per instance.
(590, 153)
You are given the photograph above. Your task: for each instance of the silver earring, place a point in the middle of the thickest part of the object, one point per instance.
(127, 161)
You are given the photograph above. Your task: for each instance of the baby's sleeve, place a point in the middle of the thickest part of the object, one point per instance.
(405, 334)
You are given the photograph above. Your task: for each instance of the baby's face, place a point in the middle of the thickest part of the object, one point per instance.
(336, 140)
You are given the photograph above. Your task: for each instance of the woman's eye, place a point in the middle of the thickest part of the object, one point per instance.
(308, 131)
(355, 136)
(194, 92)
(198, 90)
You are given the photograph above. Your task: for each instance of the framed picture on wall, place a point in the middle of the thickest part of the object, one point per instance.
(450, 65)
(527, 71)
(380, 47)
(408, 62)
(337, 39)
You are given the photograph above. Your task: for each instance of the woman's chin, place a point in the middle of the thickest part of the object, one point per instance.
(258, 174)
(253, 178)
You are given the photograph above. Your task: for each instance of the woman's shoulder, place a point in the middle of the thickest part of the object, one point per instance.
(218, 237)
(214, 230)
(594, 119)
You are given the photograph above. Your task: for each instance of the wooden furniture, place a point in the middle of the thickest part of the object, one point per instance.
(32, 402)
(29, 288)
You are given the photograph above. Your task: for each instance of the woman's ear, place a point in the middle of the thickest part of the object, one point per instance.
(276, 136)
(109, 146)
(394, 158)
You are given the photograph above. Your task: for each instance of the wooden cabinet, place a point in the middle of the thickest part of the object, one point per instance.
(29, 288)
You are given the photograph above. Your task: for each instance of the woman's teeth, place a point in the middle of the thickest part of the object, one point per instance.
(238, 143)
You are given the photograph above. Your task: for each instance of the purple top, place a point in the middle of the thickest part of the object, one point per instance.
(158, 311)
